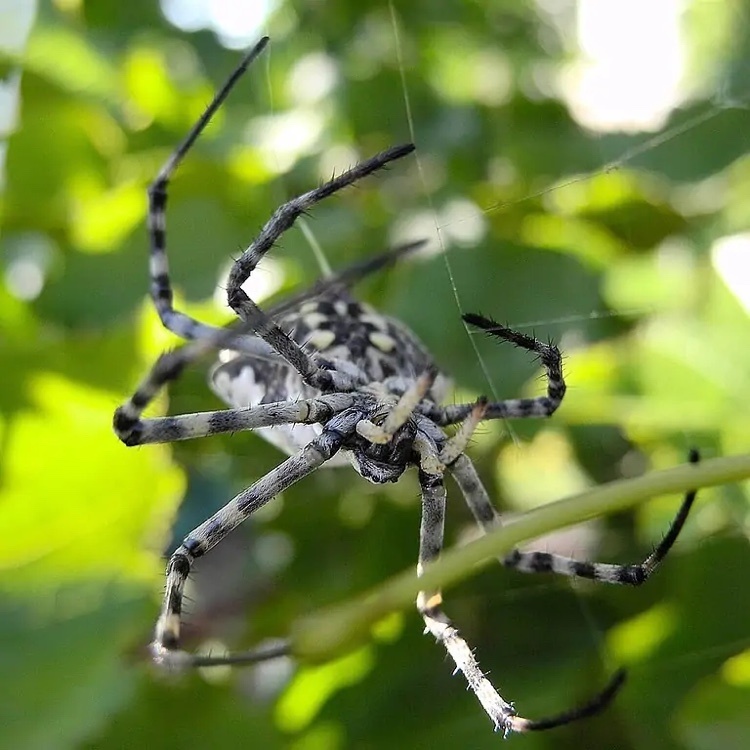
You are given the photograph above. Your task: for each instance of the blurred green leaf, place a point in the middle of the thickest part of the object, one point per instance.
(626, 248)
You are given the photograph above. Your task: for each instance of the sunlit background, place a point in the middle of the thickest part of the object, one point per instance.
(581, 172)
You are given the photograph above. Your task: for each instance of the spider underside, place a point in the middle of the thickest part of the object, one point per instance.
(330, 380)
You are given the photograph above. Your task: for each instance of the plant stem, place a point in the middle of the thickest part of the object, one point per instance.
(328, 632)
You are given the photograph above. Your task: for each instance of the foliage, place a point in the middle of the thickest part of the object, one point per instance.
(607, 243)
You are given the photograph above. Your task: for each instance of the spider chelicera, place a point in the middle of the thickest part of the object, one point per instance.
(331, 381)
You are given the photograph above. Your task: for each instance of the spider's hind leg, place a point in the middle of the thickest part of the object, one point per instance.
(634, 574)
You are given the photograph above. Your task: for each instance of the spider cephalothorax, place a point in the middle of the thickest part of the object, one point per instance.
(328, 379)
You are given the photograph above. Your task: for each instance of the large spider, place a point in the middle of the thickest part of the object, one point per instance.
(330, 380)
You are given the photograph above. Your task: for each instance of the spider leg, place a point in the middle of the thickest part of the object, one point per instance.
(281, 220)
(501, 712)
(161, 287)
(540, 406)
(429, 605)
(212, 531)
(132, 429)
(127, 421)
(264, 652)
(203, 424)
(168, 367)
(544, 562)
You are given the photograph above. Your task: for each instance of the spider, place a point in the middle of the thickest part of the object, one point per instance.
(331, 381)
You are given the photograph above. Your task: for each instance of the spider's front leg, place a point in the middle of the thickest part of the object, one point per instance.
(283, 218)
(165, 647)
(161, 286)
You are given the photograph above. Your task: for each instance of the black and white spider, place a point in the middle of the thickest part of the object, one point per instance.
(330, 380)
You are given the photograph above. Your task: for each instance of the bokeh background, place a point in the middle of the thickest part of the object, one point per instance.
(582, 173)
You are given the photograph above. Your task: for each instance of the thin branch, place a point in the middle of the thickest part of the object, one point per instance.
(328, 632)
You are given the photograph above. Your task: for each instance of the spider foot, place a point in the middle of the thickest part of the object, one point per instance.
(593, 706)
(176, 661)
(502, 721)
(505, 723)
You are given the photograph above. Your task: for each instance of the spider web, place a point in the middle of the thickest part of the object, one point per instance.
(723, 99)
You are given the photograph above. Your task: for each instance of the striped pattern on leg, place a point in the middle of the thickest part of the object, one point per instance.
(168, 367)
(513, 408)
(161, 287)
(284, 217)
(544, 562)
(212, 531)
(203, 424)
(282, 220)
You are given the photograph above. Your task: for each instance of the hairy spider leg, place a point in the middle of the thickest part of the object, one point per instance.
(430, 605)
(324, 379)
(512, 408)
(633, 574)
(206, 536)
(161, 287)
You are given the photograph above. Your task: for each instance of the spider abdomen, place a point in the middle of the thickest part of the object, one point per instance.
(342, 331)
